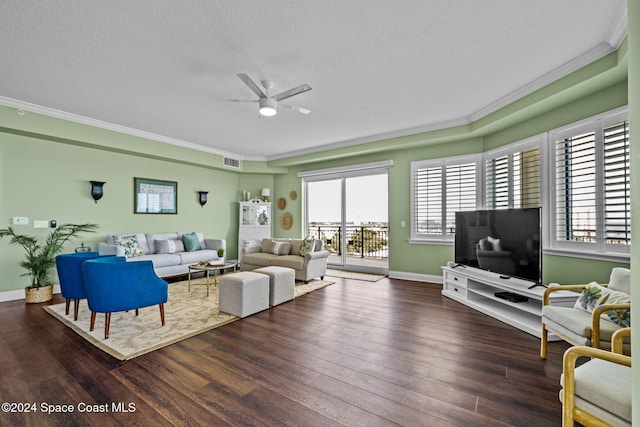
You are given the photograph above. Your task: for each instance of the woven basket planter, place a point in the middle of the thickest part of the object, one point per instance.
(36, 295)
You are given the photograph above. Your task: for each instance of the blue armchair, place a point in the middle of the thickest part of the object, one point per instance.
(112, 284)
(70, 276)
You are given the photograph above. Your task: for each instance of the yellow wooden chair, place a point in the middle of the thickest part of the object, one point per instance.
(579, 327)
(598, 392)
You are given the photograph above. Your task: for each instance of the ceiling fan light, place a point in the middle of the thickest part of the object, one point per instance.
(268, 107)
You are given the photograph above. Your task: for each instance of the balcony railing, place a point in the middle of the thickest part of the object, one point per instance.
(361, 241)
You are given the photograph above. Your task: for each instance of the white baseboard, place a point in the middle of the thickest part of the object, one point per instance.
(18, 294)
(415, 277)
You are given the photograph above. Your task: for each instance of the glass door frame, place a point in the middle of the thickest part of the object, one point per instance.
(363, 170)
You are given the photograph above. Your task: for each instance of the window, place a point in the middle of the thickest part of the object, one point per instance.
(440, 188)
(512, 176)
(591, 205)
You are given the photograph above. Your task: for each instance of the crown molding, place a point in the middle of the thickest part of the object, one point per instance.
(52, 112)
(564, 70)
(375, 137)
(619, 30)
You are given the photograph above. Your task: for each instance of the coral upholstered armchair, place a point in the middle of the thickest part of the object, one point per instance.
(112, 285)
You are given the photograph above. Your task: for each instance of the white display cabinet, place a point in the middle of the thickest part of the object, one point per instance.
(254, 224)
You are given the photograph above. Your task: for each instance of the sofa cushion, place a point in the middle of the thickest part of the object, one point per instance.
(152, 237)
(291, 261)
(295, 246)
(191, 242)
(259, 258)
(169, 246)
(130, 245)
(197, 256)
(159, 260)
(267, 246)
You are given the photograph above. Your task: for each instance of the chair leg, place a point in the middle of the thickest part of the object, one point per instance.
(67, 304)
(543, 343)
(162, 313)
(136, 311)
(76, 307)
(107, 323)
(93, 320)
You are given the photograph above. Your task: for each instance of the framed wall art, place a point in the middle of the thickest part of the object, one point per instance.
(153, 196)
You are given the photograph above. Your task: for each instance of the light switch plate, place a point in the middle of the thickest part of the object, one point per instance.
(19, 220)
(40, 224)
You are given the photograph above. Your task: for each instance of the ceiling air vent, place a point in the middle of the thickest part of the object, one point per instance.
(232, 163)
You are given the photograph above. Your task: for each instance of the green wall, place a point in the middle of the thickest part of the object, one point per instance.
(46, 163)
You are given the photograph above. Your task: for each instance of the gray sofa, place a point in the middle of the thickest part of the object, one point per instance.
(286, 253)
(166, 251)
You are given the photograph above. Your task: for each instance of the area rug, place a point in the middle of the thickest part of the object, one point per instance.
(186, 314)
(368, 277)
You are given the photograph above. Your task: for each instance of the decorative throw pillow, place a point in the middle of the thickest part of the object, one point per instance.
(484, 245)
(590, 297)
(130, 245)
(307, 246)
(594, 295)
(169, 246)
(191, 242)
(284, 248)
(276, 248)
(496, 245)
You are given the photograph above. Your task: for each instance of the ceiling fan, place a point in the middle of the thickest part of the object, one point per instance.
(269, 103)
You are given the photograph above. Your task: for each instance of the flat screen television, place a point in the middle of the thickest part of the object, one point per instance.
(503, 241)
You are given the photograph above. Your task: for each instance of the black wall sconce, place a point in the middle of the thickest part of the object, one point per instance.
(96, 190)
(202, 197)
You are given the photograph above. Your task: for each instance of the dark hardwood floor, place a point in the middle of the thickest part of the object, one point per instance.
(355, 353)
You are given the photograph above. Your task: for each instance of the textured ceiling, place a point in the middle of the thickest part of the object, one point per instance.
(377, 68)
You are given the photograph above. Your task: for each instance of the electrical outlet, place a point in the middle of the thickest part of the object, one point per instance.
(402, 224)
(40, 224)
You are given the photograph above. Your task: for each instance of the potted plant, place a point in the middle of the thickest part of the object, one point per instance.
(40, 257)
(221, 254)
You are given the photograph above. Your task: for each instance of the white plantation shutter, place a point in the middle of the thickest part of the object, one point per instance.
(440, 189)
(428, 201)
(497, 182)
(617, 210)
(513, 180)
(527, 178)
(460, 192)
(576, 188)
(592, 210)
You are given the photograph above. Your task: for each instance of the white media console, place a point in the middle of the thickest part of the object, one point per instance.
(477, 288)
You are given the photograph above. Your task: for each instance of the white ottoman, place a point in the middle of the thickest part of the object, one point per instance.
(282, 286)
(244, 293)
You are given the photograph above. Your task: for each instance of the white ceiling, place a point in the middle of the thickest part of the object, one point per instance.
(377, 68)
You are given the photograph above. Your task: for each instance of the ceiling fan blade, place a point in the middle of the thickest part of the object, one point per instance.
(252, 85)
(294, 108)
(236, 100)
(292, 92)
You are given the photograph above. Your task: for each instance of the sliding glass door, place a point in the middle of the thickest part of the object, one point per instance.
(350, 214)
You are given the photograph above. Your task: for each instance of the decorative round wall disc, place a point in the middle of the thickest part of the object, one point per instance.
(286, 221)
(282, 203)
(293, 195)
